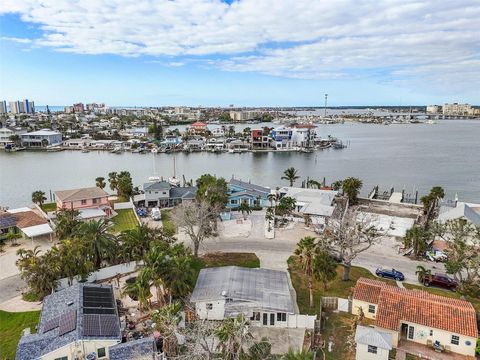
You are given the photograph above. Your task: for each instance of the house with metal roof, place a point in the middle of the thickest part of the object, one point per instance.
(264, 296)
(41, 138)
(242, 191)
(417, 316)
(372, 344)
(467, 211)
(79, 322)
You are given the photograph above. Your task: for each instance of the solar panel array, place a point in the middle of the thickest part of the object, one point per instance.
(51, 324)
(100, 325)
(98, 300)
(67, 322)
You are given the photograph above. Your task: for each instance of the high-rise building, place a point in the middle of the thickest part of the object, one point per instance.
(457, 109)
(22, 107)
(3, 107)
(78, 108)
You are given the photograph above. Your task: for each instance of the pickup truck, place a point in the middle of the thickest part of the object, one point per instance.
(440, 280)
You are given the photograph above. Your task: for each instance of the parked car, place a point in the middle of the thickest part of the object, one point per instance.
(440, 280)
(436, 255)
(390, 273)
(142, 212)
(156, 215)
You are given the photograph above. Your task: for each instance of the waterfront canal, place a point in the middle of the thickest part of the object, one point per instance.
(411, 156)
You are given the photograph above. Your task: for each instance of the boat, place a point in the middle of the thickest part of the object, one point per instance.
(13, 148)
(154, 151)
(339, 145)
(85, 151)
(54, 148)
(173, 179)
(430, 122)
(116, 150)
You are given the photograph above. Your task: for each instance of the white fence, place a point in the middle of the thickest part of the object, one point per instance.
(301, 321)
(102, 274)
(123, 205)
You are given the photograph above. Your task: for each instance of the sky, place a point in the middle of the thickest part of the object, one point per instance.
(244, 52)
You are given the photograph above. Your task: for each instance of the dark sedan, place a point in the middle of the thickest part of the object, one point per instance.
(390, 273)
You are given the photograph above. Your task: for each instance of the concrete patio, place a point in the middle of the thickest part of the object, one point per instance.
(425, 352)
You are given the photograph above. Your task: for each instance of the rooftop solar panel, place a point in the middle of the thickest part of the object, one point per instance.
(95, 297)
(67, 322)
(7, 220)
(91, 325)
(51, 324)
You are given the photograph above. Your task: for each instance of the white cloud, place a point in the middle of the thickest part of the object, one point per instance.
(16, 40)
(405, 41)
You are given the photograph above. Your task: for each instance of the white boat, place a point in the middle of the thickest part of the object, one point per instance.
(173, 179)
(116, 150)
(154, 151)
(430, 122)
(85, 151)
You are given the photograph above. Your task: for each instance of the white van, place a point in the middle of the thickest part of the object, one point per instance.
(156, 215)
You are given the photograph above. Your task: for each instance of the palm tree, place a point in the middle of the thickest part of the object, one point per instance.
(313, 184)
(232, 334)
(422, 273)
(15, 139)
(416, 238)
(66, 222)
(38, 197)
(306, 250)
(135, 242)
(140, 290)
(245, 209)
(179, 275)
(337, 185)
(290, 175)
(100, 182)
(101, 244)
(351, 188)
(324, 268)
(166, 321)
(113, 180)
(271, 197)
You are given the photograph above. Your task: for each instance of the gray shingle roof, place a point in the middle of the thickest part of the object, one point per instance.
(258, 288)
(45, 340)
(188, 192)
(369, 336)
(159, 185)
(133, 350)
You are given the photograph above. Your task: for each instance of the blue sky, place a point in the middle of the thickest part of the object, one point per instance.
(208, 52)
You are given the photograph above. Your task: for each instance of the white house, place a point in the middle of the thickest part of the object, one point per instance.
(417, 316)
(264, 296)
(41, 138)
(7, 132)
(372, 344)
(80, 322)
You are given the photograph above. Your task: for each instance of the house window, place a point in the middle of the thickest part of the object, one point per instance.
(233, 201)
(164, 193)
(101, 352)
(255, 316)
(372, 349)
(62, 358)
(455, 340)
(209, 306)
(281, 316)
(371, 309)
(84, 202)
(411, 332)
(431, 332)
(96, 200)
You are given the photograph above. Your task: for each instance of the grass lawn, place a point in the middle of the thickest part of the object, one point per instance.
(11, 327)
(339, 328)
(125, 220)
(337, 287)
(49, 207)
(447, 293)
(168, 225)
(249, 260)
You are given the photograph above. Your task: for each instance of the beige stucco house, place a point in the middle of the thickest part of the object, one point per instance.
(417, 316)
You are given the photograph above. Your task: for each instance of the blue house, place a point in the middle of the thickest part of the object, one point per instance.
(241, 191)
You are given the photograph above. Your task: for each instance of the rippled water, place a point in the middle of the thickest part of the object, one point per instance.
(411, 156)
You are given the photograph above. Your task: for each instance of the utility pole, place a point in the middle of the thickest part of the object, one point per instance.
(326, 96)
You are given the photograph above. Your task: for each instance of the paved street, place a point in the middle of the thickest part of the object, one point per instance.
(11, 287)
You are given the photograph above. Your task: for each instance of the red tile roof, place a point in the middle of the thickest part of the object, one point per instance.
(199, 124)
(417, 306)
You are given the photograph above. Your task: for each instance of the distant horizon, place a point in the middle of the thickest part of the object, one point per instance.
(273, 53)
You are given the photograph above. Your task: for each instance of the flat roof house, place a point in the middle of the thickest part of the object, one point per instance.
(262, 295)
(91, 202)
(78, 322)
(41, 138)
(416, 316)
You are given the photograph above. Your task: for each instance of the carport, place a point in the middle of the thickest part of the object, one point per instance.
(37, 230)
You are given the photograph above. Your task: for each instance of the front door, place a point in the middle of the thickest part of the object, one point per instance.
(404, 331)
(272, 319)
(265, 319)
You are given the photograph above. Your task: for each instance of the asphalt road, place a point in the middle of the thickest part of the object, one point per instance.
(11, 287)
